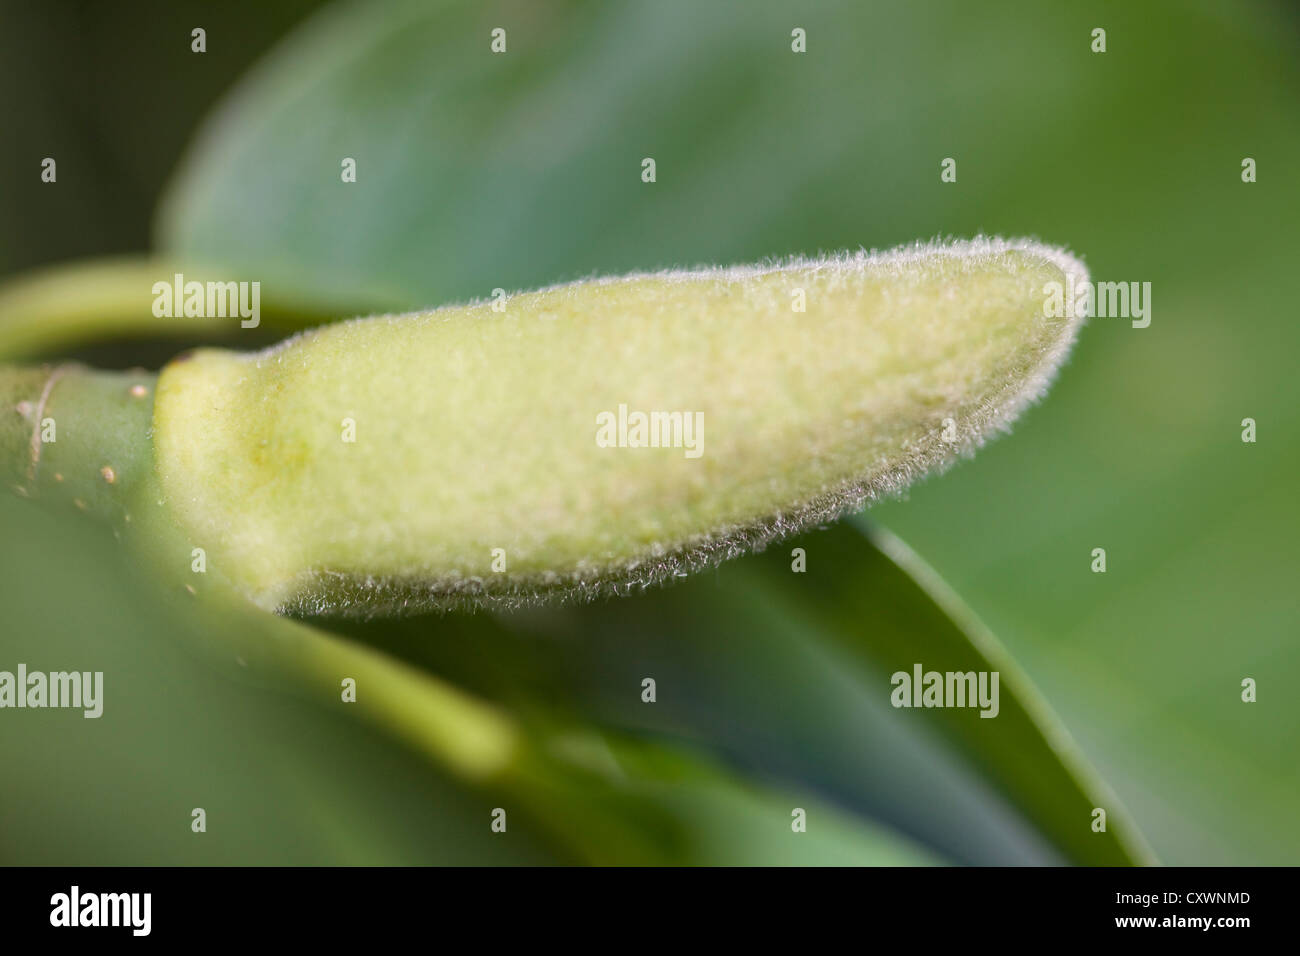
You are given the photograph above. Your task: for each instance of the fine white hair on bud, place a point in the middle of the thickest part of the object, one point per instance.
(600, 436)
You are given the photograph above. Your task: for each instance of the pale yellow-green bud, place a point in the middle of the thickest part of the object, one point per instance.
(495, 450)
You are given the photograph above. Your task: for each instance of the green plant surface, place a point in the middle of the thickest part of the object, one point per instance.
(186, 725)
(788, 675)
(258, 736)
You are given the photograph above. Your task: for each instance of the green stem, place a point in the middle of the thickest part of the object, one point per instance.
(460, 732)
(73, 436)
(44, 311)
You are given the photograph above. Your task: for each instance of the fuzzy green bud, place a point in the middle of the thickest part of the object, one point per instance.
(598, 436)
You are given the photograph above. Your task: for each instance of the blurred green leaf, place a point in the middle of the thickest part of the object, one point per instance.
(477, 171)
(891, 611)
(283, 780)
(257, 735)
(603, 798)
(787, 676)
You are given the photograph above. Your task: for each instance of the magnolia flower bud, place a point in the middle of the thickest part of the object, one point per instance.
(597, 436)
